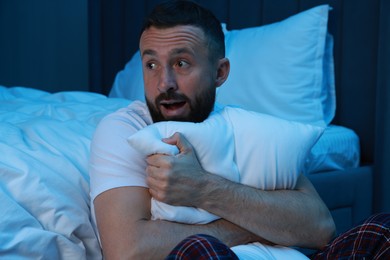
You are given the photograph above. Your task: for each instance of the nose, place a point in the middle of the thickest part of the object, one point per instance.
(167, 80)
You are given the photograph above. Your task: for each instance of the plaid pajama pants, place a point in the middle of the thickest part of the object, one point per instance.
(201, 247)
(370, 240)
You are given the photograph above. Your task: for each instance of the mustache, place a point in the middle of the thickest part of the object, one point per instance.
(171, 95)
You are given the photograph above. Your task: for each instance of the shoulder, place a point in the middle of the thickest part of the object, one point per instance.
(113, 162)
(136, 114)
(114, 129)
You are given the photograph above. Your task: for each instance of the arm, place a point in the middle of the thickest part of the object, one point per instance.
(126, 231)
(121, 198)
(284, 217)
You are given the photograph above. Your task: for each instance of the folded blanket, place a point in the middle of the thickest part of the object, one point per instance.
(254, 149)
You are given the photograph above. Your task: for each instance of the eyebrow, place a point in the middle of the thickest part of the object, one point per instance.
(181, 51)
(175, 51)
(149, 52)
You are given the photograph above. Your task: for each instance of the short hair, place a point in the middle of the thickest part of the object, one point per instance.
(184, 12)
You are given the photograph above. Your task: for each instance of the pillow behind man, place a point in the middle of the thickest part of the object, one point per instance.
(255, 149)
(283, 69)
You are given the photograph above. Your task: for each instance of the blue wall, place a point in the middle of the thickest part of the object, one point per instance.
(44, 44)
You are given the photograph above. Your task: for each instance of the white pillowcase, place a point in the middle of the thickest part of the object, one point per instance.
(129, 82)
(255, 149)
(283, 69)
(278, 69)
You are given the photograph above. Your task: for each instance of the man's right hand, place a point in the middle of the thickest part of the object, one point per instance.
(176, 179)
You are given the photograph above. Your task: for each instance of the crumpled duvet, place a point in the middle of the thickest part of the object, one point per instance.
(44, 181)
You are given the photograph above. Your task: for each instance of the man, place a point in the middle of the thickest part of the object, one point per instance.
(183, 57)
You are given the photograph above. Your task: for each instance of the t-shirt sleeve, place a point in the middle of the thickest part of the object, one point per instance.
(113, 162)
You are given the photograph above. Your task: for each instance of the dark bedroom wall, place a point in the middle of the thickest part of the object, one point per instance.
(44, 44)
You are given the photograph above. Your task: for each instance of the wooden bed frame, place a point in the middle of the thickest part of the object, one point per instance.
(361, 29)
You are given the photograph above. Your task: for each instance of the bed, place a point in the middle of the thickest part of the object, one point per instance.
(45, 137)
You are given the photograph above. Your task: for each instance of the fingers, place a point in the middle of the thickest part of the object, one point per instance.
(159, 160)
(180, 141)
(155, 179)
(159, 166)
(165, 173)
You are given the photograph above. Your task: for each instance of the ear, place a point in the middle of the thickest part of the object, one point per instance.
(222, 71)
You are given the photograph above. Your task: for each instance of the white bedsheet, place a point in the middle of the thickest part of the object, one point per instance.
(44, 182)
(337, 149)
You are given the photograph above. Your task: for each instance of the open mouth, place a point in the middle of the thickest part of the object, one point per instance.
(172, 104)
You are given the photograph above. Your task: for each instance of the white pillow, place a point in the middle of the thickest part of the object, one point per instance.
(278, 68)
(129, 82)
(283, 69)
(255, 149)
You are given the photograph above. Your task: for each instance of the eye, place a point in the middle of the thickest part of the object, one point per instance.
(182, 64)
(151, 65)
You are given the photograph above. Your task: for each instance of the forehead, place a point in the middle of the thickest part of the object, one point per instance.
(173, 37)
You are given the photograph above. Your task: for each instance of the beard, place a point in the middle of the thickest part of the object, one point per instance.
(200, 108)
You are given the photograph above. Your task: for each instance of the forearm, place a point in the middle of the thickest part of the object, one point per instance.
(284, 217)
(126, 231)
(157, 238)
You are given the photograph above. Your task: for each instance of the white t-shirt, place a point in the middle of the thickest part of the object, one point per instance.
(110, 167)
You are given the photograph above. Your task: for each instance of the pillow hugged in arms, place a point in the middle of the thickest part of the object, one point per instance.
(254, 149)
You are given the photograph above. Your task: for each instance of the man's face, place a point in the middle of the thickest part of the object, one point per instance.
(178, 75)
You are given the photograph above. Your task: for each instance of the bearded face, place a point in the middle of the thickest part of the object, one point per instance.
(199, 108)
